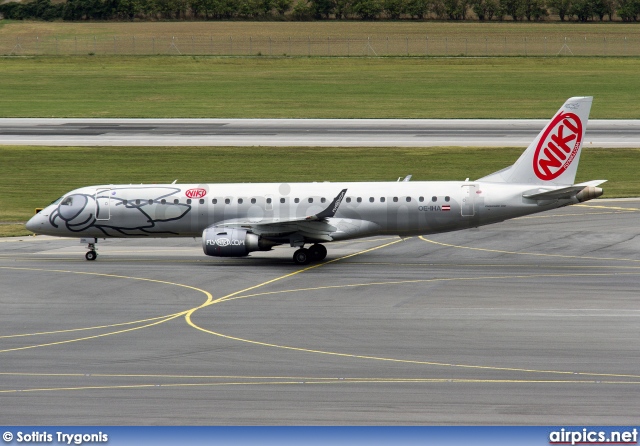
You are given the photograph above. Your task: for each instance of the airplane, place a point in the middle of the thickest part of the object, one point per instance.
(237, 219)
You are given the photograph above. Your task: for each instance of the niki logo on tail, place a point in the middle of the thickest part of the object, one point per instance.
(557, 154)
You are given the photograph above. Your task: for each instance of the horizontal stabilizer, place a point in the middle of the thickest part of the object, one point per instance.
(564, 192)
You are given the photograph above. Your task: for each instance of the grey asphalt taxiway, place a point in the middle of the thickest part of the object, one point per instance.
(302, 132)
(531, 321)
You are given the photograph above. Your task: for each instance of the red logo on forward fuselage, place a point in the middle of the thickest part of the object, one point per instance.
(558, 146)
(196, 193)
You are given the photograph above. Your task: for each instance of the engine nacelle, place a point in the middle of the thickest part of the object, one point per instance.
(231, 242)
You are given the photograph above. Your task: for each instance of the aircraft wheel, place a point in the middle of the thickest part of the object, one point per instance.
(91, 255)
(318, 252)
(302, 256)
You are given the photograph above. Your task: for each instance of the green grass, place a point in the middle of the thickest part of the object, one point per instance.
(151, 87)
(323, 28)
(33, 177)
(13, 230)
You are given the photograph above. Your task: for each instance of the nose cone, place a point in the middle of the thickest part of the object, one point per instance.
(37, 223)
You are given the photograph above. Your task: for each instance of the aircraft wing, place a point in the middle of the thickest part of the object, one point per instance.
(556, 194)
(309, 231)
(313, 228)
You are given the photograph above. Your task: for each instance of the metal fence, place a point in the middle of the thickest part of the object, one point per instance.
(322, 47)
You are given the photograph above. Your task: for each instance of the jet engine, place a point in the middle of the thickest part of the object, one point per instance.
(232, 242)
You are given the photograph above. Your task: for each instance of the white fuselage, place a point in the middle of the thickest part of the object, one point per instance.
(185, 210)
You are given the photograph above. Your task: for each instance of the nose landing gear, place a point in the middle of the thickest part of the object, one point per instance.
(91, 246)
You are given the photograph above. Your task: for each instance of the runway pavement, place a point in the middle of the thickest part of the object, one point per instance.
(301, 132)
(531, 321)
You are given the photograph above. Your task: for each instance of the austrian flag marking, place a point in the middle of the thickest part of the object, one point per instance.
(558, 146)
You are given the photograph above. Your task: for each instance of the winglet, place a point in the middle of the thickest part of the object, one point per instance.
(331, 210)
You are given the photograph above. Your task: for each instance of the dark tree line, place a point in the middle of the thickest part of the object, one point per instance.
(531, 10)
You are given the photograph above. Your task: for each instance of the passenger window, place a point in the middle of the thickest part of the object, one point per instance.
(188, 200)
(323, 200)
(447, 199)
(408, 199)
(240, 201)
(434, 199)
(124, 202)
(421, 199)
(395, 199)
(227, 201)
(253, 201)
(268, 200)
(310, 200)
(201, 201)
(371, 199)
(214, 201)
(176, 201)
(163, 201)
(348, 199)
(297, 200)
(282, 200)
(137, 202)
(359, 200)
(381, 199)
(150, 202)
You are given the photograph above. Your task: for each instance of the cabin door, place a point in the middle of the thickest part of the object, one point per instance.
(103, 204)
(467, 208)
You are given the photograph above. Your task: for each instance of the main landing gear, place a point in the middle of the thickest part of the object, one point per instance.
(315, 253)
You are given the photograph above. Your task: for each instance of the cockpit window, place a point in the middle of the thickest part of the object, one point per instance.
(57, 201)
(67, 201)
